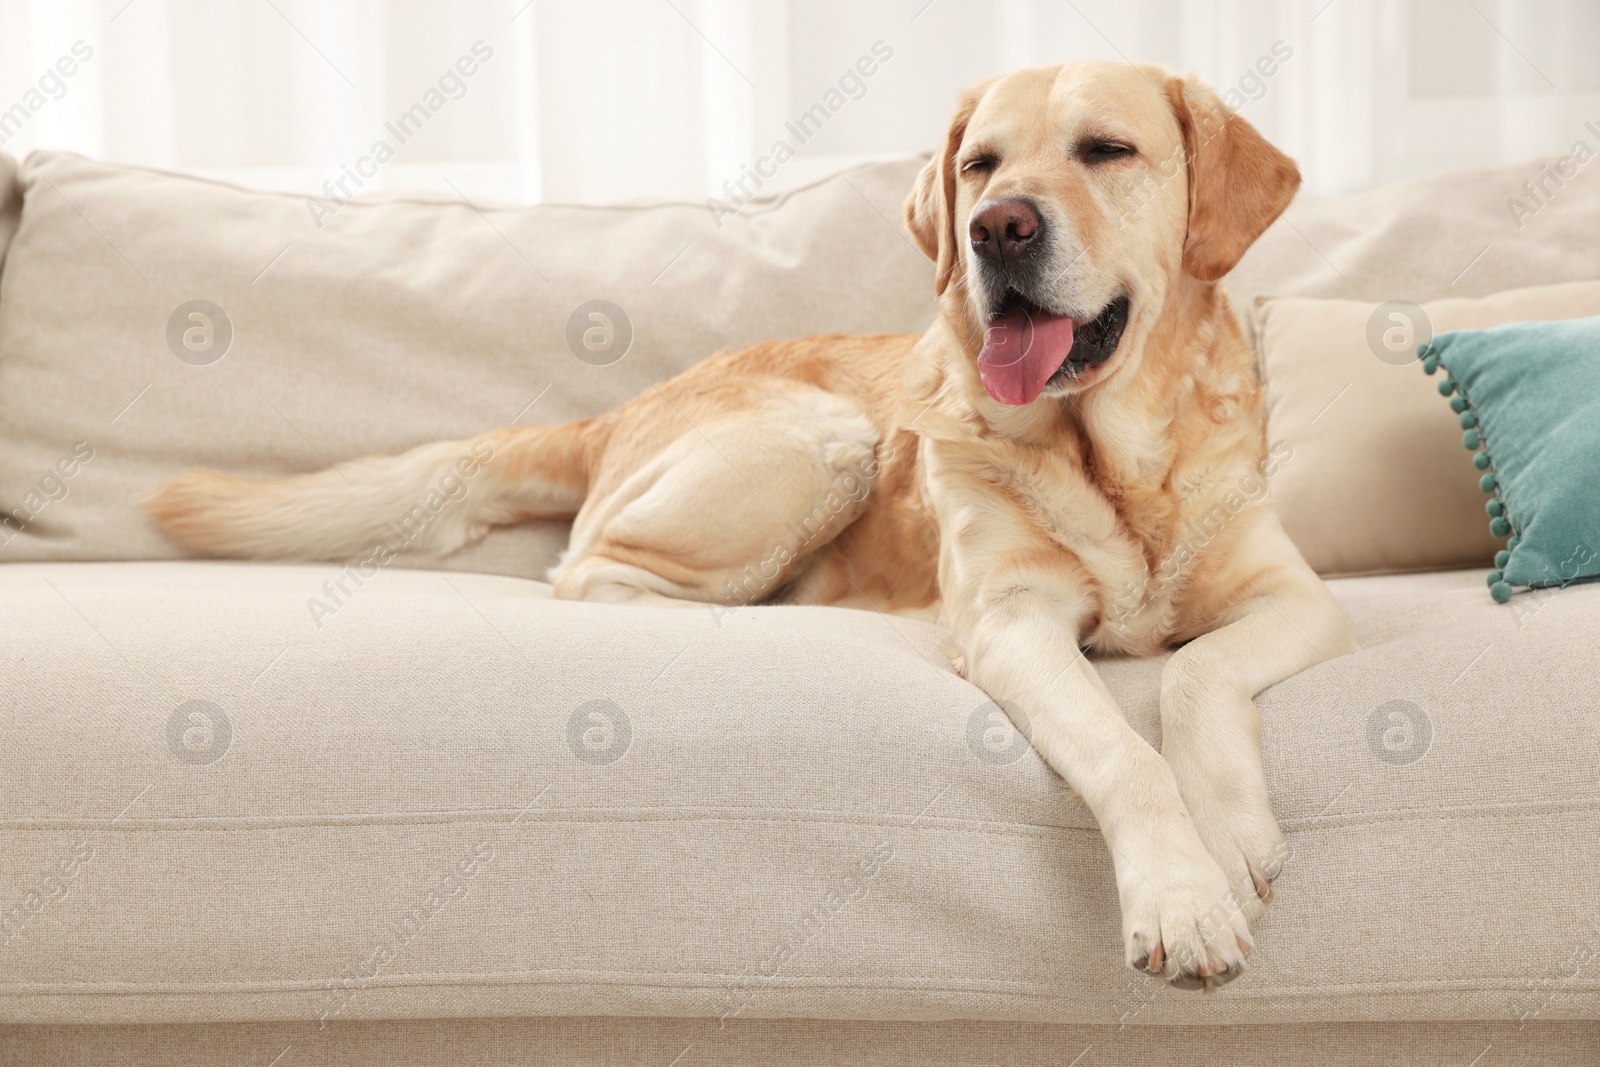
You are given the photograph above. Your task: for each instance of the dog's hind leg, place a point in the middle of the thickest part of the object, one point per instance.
(731, 511)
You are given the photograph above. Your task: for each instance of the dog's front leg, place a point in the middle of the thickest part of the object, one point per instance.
(1015, 605)
(1284, 621)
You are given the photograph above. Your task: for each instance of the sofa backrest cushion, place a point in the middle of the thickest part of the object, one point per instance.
(394, 320)
(1462, 234)
(378, 325)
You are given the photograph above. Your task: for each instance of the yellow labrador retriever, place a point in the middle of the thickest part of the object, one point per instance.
(1071, 457)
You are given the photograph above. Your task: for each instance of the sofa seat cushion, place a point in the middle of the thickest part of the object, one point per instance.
(454, 795)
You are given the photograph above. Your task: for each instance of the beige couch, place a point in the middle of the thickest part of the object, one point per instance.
(287, 815)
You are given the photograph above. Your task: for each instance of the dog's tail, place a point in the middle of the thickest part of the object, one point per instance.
(433, 499)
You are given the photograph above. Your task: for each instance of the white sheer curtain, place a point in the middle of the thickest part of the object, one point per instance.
(609, 100)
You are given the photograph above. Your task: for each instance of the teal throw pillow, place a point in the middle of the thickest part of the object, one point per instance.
(1528, 394)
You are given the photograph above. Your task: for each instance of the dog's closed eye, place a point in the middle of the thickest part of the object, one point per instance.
(1098, 150)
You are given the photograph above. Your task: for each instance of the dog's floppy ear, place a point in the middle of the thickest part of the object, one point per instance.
(1238, 183)
(930, 209)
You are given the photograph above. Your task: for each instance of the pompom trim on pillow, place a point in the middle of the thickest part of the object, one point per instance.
(1475, 438)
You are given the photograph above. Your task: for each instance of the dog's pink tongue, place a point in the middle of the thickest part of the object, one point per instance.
(1021, 350)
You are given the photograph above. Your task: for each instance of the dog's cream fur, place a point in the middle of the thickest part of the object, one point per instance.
(1032, 532)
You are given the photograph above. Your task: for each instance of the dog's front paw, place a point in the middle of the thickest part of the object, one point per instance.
(1244, 839)
(1213, 748)
(1180, 918)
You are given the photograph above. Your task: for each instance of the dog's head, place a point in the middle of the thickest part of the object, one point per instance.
(1067, 205)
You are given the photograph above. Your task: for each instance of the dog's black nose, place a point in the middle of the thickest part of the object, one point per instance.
(1002, 229)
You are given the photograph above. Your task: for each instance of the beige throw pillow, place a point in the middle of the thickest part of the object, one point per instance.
(1379, 480)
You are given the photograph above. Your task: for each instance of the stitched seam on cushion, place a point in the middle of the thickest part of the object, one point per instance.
(720, 983)
(504, 817)
(508, 816)
(997, 829)
(1505, 811)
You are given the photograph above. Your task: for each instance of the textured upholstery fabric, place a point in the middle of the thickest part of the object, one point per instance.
(419, 809)
(785, 1043)
(400, 320)
(1379, 480)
